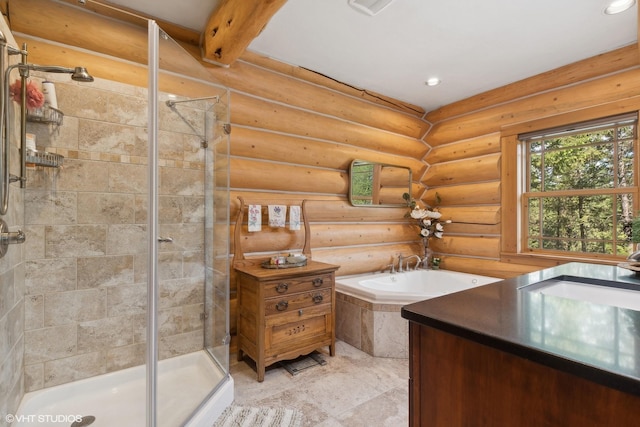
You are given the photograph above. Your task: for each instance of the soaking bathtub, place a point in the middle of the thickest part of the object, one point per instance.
(368, 306)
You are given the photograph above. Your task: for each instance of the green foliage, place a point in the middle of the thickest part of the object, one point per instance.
(598, 160)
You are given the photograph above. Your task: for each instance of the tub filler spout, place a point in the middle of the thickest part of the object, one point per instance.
(407, 259)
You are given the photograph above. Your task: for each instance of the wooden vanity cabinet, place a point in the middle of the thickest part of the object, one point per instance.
(284, 313)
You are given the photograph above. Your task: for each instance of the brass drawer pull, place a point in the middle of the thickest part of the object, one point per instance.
(281, 288)
(282, 305)
(317, 299)
(317, 282)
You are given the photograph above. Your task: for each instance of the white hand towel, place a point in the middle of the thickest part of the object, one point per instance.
(255, 218)
(294, 217)
(277, 215)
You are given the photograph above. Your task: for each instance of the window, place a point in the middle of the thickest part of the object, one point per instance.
(578, 187)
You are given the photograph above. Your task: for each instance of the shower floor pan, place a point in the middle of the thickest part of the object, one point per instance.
(119, 398)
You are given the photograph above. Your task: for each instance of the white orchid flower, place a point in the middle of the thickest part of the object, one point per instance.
(433, 214)
(424, 232)
(439, 227)
(438, 234)
(418, 213)
(426, 222)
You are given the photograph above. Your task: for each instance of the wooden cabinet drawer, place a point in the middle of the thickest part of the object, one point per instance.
(289, 330)
(298, 301)
(297, 284)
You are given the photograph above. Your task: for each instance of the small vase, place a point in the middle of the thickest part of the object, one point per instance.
(426, 256)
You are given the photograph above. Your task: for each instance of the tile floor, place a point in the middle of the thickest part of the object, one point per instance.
(351, 389)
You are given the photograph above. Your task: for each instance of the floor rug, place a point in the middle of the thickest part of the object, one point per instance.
(247, 416)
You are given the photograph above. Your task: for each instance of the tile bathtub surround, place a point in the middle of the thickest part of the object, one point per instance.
(377, 329)
(86, 266)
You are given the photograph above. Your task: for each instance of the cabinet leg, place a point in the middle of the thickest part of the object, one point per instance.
(332, 349)
(260, 371)
(240, 355)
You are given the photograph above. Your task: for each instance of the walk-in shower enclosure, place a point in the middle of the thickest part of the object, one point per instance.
(126, 259)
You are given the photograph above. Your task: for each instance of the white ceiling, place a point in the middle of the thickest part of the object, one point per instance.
(471, 45)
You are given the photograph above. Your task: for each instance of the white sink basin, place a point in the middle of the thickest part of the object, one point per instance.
(597, 294)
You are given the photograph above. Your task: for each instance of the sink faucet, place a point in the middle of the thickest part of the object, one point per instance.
(418, 261)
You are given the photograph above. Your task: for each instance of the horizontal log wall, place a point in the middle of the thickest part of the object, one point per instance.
(294, 133)
(467, 171)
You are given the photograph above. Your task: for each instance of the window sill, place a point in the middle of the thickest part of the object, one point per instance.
(546, 260)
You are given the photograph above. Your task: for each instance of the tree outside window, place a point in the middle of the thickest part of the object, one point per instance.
(580, 184)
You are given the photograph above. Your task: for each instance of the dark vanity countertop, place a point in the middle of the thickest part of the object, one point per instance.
(597, 342)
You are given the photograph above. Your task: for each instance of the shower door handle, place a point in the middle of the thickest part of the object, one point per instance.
(165, 239)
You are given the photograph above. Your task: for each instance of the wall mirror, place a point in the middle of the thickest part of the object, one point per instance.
(378, 184)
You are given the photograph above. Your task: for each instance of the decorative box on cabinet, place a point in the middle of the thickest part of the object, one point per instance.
(285, 313)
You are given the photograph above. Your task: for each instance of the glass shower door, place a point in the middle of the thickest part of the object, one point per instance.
(192, 283)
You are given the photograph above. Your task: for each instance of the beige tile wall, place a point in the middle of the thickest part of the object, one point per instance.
(86, 266)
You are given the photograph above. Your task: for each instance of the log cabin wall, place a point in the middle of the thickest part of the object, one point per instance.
(471, 177)
(295, 132)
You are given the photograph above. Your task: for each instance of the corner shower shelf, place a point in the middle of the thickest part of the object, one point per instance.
(43, 158)
(46, 114)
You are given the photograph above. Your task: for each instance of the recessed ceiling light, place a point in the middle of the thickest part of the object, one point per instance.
(433, 81)
(617, 6)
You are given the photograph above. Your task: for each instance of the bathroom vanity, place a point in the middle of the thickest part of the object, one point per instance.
(285, 313)
(556, 347)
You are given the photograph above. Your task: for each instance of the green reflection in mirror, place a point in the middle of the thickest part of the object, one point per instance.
(378, 184)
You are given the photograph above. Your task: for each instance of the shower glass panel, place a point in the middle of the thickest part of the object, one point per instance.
(193, 210)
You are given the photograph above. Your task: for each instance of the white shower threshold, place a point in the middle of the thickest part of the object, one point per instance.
(119, 398)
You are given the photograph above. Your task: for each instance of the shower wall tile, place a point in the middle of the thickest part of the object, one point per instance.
(33, 312)
(181, 182)
(50, 208)
(62, 137)
(56, 342)
(76, 306)
(127, 110)
(193, 210)
(104, 333)
(105, 271)
(101, 137)
(86, 254)
(82, 101)
(74, 368)
(170, 321)
(170, 209)
(127, 300)
(128, 178)
(50, 275)
(34, 377)
(176, 345)
(127, 239)
(83, 175)
(75, 240)
(34, 244)
(193, 264)
(192, 317)
(105, 208)
(174, 293)
(169, 264)
(126, 356)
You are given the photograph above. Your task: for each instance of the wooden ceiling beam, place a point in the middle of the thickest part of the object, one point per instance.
(232, 27)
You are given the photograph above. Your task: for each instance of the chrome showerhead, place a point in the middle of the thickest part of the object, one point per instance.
(80, 74)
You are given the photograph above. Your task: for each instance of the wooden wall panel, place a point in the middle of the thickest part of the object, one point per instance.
(267, 145)
(259, 113)
(475, 169)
